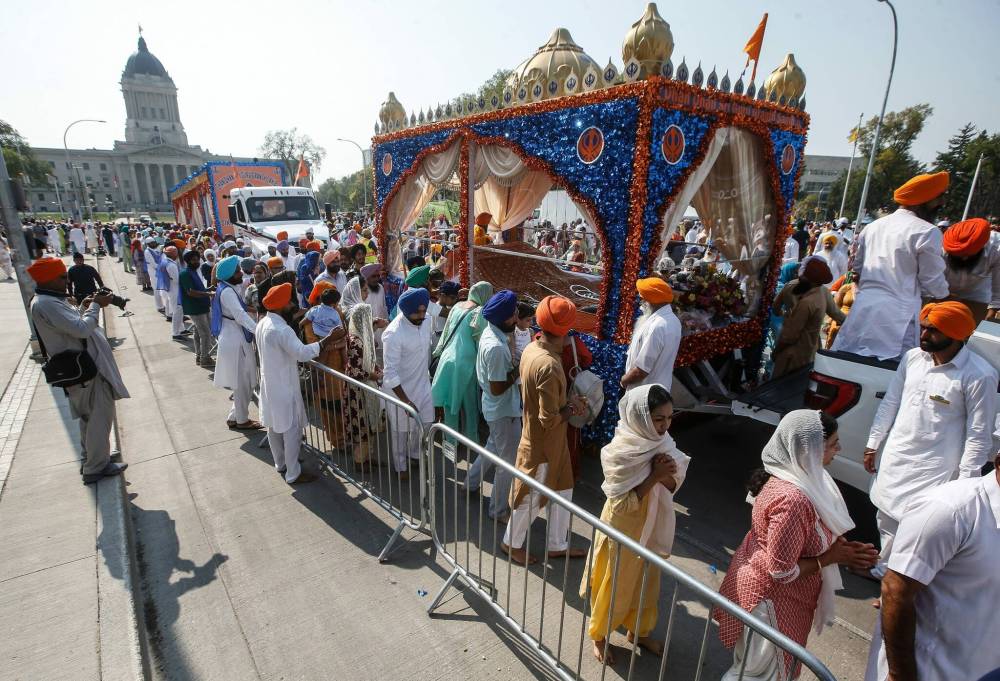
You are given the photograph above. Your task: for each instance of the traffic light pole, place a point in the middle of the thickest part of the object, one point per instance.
(20, 255)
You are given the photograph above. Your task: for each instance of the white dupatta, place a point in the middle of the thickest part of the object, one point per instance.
(627, 461)
(795, 454)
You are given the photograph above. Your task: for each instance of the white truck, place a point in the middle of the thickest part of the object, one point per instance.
(260, 213)
(848, 387)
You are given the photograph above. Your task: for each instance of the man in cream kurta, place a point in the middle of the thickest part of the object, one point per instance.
(406, 352)
(281, 406)
(936, 421)
(899, 261)
(235, 367)
(151, 257)
(173, 292)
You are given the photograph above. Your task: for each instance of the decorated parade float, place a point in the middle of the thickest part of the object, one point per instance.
(202, 198)
(634, 149)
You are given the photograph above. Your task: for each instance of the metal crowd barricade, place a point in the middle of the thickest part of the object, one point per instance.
(350, 431)
(544, 604)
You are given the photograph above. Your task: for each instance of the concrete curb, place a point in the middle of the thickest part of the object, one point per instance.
(121, 630)
(121, 641)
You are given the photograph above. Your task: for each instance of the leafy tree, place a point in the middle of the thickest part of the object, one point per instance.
(288, 146)
(345, 193)
(894, 164)
(494, 85)
(19, 158)
(960, 161)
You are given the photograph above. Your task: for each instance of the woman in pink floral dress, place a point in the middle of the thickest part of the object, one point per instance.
(785, 571)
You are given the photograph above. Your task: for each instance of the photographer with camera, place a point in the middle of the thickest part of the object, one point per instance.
(79, 361)
(84, 280)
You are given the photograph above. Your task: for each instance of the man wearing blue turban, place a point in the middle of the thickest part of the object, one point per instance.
(501, 400)
(234, 327)
(406, 346)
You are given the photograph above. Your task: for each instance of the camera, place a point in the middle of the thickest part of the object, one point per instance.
(116, 300)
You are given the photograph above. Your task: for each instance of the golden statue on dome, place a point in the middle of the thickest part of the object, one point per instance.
(788, 81)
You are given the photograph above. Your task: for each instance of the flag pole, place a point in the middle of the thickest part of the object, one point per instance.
(850, 166)
(975, 178)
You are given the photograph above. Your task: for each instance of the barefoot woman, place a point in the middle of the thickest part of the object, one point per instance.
(642, 470)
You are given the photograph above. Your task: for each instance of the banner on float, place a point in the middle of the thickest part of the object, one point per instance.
(224, 178)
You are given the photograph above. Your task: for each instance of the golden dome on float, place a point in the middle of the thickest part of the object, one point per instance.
(788, 80)
(554, 60)
(649, 41)
(391, 112)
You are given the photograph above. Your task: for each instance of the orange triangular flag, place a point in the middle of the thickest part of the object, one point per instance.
(752, 48)
(302, 170)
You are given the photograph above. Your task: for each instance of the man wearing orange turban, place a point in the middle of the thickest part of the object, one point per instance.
(655, 339)
(172, 270)
(936, 419)
(281, 406)
(67, 331)
(276, 264)
(899, 260)
(543, 452)
(972, 256)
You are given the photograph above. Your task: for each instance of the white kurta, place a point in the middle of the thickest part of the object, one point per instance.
(900, 259)
(151, 270)
(173, 308)
(339, 280)
(654, 347)
(281, 406)
(77, 238)
(835, 260)
(791, 251)
(937, 423)
(406, 354)
(949, 541)
(982, 282)
(235, 360)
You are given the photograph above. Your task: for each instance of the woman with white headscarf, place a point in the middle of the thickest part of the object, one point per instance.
(353, 294)
(642, 470)
(785, 571)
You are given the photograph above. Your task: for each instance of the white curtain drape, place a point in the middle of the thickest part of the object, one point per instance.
(403, 209)
(438, 168)
(673, 215)
(737, 208)
(504, 165)
(512, 205)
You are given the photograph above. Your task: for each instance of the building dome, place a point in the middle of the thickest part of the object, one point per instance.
(556, 59)
(143, 62)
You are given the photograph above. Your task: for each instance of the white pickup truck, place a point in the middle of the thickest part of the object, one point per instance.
(848, 387)
(260, 213)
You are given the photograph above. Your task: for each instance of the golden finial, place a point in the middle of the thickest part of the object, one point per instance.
(788, 80)
(649, 41)
(392, 111)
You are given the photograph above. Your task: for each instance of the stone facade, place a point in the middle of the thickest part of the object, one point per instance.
(137, 173)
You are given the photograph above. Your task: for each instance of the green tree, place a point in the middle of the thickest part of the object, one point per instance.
(290, 145)
(894, 164)
(19, 158)
(960, 159)
(494, 85)
(345, 193)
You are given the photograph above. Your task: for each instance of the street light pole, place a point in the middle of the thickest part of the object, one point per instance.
(972, 187)
(62, 215)
(364, 169)
(77, 213)
(850, 166)
(878, 125)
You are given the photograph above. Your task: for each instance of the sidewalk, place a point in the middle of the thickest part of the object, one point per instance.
(66, 606)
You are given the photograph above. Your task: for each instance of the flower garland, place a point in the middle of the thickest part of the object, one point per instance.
(664, 182)
(462, 250)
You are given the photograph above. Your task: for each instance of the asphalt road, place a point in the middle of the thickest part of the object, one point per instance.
(713, 517)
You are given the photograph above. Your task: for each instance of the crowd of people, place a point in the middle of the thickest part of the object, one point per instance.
(486, 362)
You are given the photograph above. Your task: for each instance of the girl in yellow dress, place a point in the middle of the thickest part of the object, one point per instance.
(642, 470)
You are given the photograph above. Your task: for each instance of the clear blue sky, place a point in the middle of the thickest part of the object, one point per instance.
(244, 68)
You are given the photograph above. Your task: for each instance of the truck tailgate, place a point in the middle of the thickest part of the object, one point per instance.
(771, 400)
